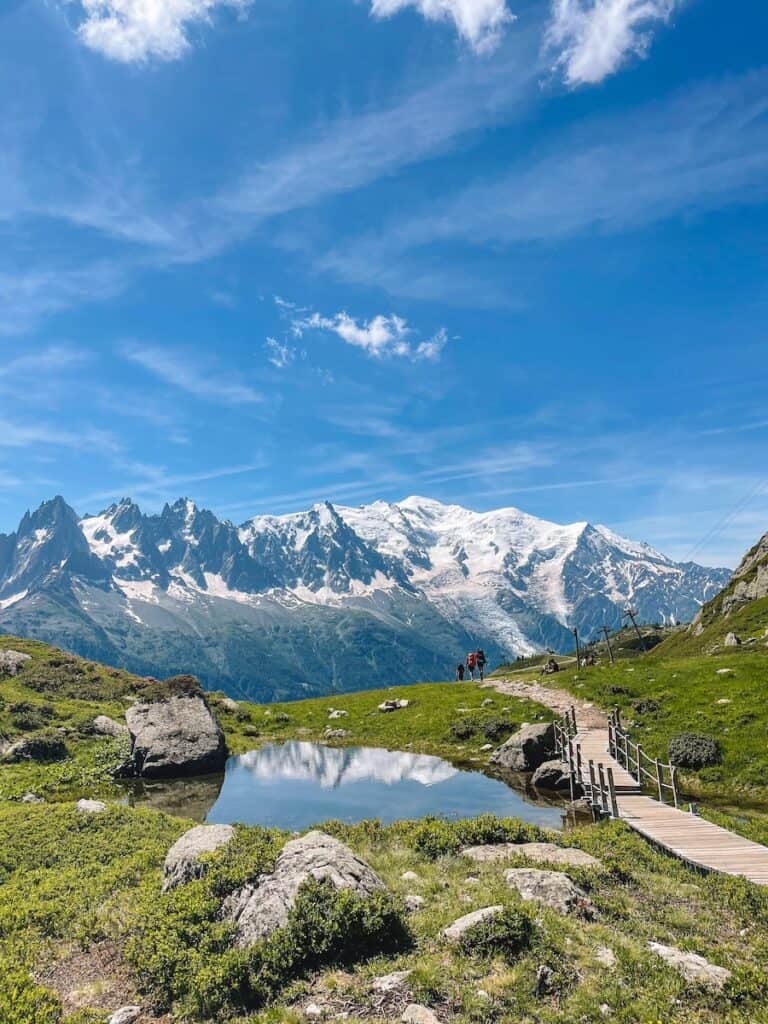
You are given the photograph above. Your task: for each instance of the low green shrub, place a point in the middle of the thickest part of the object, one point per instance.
(463, 729)
(496, 729)
(690, 750)
(435, 837)
(508, 934)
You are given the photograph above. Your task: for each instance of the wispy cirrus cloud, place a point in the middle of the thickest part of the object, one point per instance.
(381, 336)
(591, 39)
(182, 370)
(134, 31)
(705, 148)
(480, 23)
(278, 354)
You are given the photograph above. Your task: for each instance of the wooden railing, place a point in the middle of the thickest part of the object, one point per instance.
(594, 780)
(644, 769)
(565, 730)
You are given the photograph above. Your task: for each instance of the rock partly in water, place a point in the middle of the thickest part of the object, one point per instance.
(259, 909)
(91, 806)
(175, 737)
(691, 966)
(36, 748)
(528, 748)
(182, 862)
(551, 888)
(105, 726)
(552, 775)
(12, 661)
(454, 932)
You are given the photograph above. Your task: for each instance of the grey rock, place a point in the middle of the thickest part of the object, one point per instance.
(91, 806)
(182, 862)
(393, 705)
(551, 888)
(413, 902)
(313, 1012)
(229, 705)
(528, 748)
(32, 798)
(105, 726)
(12, 661)
(409, 876)
(605, 956)
(335, 734)
(547, 852)
(455, 931)
(126, 1015)
(391, 982)
(337, 713)
(260, 908)
(551, 775)
(731, 640)
(691, 966)
(544, 977)
(414, 1013)
(488, 702)
(174, 737)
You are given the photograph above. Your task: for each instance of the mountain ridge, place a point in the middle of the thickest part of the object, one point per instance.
(331, 597)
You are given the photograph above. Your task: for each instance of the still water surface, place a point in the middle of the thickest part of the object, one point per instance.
(293, 785)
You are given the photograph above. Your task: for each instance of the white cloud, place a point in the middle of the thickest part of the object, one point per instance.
(378, 337)
(180, 371)
(279, 355)
(133, 31)
(593, 38)
(480, 23)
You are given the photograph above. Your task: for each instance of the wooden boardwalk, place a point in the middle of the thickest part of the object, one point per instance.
(608, 767)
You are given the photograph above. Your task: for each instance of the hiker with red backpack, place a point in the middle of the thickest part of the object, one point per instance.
(471, 664)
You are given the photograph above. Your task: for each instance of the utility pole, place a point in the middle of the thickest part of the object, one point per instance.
(608, 641)
(630, 613)
(578, 655)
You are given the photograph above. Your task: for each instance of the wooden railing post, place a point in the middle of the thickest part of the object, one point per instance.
(673, 778)
(592, 782)
(638, 773)
(573, 719)
(659, 780)
(612, 793)
(603, 789)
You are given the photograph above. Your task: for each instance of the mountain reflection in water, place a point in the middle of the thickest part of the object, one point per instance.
(294, 785)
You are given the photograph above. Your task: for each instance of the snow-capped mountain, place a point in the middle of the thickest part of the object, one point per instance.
(334, 597)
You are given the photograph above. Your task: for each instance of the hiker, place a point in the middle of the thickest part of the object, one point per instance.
(550, 668)
(480, 662)
(460, 672)
(471, 664)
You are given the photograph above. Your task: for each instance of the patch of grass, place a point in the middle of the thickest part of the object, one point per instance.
(445, 719)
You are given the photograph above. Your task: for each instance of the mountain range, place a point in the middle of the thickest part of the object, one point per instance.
(333, 598)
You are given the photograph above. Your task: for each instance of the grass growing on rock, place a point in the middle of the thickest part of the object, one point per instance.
(69, 881)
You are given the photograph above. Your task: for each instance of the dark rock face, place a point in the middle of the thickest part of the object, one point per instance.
(175, 737)
(259, 909)
(551, 775)
(528, 748)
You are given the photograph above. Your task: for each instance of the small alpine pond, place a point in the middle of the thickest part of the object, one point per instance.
(293, 785)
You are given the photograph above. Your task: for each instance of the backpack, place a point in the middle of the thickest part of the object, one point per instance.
(471, 661)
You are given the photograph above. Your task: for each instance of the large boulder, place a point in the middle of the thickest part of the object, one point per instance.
(12, 661)
(173, 737)
(528, 748)
(552, 888)
(551, 775)
(183, 863)
(691, 966)
(260, 908)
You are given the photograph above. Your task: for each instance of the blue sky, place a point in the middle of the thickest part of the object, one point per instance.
(498, 252)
